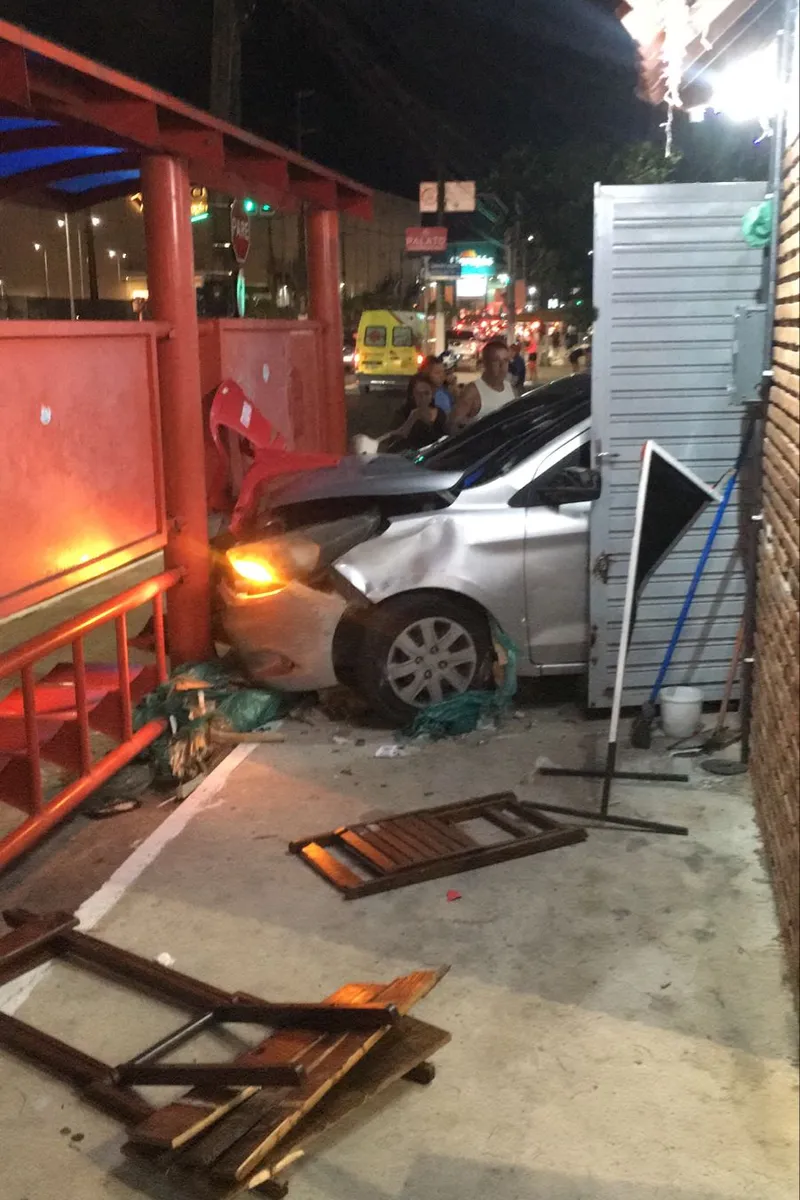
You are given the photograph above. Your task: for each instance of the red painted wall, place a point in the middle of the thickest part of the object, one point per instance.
(277, 363)
(80, 488)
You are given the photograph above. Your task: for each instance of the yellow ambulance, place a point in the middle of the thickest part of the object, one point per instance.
(389, 348)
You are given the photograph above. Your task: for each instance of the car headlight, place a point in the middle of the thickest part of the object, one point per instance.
(253, 573)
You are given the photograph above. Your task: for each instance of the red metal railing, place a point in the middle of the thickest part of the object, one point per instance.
(60, 729)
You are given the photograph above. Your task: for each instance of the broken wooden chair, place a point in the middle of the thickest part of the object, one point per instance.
(232, 1125)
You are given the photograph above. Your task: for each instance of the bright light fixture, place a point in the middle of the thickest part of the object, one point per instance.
(750, 88)
(96, 221)
(257, 572)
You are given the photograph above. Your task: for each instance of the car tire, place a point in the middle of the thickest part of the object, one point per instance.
(416, 621)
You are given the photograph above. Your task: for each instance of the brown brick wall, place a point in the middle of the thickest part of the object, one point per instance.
(776, 726)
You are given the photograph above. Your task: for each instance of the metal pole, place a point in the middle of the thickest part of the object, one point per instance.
(511, 267)
(80, 264)
(91, 257)
(438, 323)
(70, 280)
(170, 277)
(46, 275)
(326, 307)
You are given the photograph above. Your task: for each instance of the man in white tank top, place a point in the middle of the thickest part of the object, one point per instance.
(488, 393)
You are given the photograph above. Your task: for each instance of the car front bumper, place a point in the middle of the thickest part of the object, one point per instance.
(284, 640)
(389, 382)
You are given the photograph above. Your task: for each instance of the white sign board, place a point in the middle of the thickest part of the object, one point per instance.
(429, 197)
(459, 195)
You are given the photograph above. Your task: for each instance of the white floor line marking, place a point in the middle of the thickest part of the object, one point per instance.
(93, 909)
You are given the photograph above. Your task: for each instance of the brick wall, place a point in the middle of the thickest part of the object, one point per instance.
(776, 725)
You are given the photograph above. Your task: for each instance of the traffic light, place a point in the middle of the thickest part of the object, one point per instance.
(252, 206)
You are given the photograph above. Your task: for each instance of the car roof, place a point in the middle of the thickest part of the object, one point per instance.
(538, 416)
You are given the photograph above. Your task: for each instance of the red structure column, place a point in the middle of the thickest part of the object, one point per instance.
(170, 277)
(326, 307)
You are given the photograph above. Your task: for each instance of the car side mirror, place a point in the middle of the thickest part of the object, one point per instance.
(573, 486)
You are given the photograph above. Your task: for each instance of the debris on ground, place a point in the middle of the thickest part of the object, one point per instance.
(204, 703)
(112, 809)
(453, 895)
(468, 711)
(391, 750)
(245, 1119)
(430, 843)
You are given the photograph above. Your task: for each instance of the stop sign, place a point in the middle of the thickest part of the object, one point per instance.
(240, 231)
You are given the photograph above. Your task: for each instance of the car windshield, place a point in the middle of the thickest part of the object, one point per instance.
(493, 446)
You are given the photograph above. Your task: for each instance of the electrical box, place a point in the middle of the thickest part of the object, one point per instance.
(749, 339)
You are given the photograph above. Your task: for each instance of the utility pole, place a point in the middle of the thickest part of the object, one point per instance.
(300, 131)
(70, 281)
(438, 323)
(91, 256)
(226, 62)
(512, 250)
(226, 103)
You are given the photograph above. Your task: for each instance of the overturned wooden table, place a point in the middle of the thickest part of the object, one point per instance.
(242, 1122)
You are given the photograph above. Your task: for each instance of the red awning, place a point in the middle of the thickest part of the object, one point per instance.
(73, 133)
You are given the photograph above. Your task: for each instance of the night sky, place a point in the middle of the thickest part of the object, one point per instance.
(395, 85)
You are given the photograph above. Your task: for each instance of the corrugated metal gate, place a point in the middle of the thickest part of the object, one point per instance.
(671, 268)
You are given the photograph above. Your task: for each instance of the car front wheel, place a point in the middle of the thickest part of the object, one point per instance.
(420, 649)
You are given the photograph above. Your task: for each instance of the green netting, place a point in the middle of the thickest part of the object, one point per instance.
(463, 714)
(242, 709)
(757, 225)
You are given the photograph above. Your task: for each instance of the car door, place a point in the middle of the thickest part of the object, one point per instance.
(556, 566)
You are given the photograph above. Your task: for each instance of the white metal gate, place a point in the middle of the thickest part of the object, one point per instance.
(671, 268)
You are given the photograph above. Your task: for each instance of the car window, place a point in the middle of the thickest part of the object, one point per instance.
(402, 336)
(496, 444)
(575, 454)
(375, 335)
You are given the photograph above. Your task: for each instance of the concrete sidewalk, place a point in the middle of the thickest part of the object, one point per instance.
(620, 1026)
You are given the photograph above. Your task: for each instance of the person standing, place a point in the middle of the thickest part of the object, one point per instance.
(435, 372)
(423, 422)
(488, 393)
(516, 367)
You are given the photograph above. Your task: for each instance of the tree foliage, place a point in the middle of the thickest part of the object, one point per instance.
(550, 195)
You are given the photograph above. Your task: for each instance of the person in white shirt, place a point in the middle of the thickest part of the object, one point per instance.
(488, 393)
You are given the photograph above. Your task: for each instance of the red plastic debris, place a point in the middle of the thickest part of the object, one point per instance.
(453, 895)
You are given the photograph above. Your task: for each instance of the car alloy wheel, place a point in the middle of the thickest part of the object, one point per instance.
(430, 660)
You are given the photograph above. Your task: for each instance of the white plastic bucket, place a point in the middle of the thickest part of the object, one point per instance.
(681, 711)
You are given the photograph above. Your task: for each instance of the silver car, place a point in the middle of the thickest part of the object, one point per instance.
(388, 574)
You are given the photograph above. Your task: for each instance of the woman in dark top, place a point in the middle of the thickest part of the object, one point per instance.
(424, 422)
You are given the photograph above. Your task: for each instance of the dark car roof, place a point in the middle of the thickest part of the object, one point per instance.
(537, 416)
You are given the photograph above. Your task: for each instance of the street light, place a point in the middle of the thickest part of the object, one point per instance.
(63, 223)
(40, 249)
(96, 221)
(118, 258)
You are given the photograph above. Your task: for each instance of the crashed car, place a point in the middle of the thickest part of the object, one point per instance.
(388, 574)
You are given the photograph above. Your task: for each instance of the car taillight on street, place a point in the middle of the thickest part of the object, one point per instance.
(356, 359)
(420, 359)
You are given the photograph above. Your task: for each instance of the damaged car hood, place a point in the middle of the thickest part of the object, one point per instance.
(371, 476)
